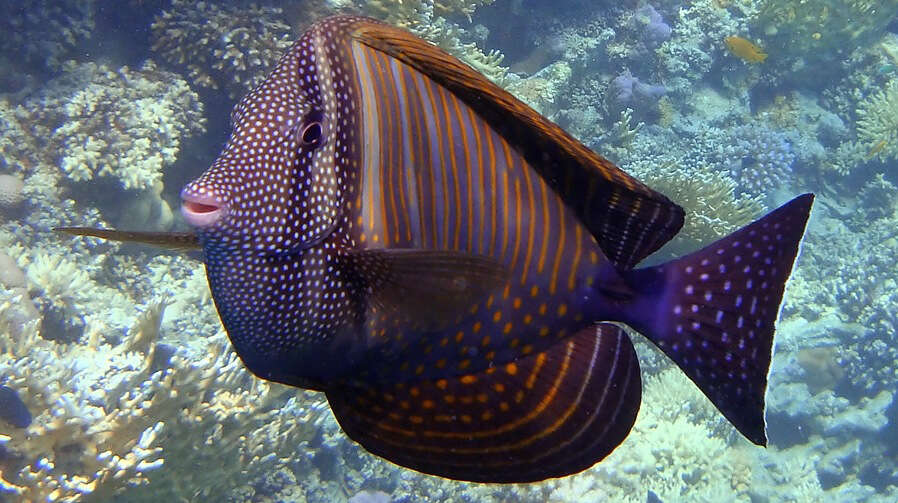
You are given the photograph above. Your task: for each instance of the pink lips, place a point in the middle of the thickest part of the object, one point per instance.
(201, 210)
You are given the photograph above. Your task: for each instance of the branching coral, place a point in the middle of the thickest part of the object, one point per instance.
(61, 281)
(713, 209)
(111, 418)
(425, 18)
(127, 124)
(448, 36)
(404, 11)
(760, 157)
(93, 122)
(44, 33)
(877, 124)
(222, 46)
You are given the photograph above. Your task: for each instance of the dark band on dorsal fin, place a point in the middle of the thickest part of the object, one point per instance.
(171, 240)
(627, 219)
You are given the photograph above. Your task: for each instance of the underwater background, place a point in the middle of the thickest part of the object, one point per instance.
(729, 107)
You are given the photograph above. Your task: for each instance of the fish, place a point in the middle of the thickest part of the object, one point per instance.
(453, 270)
(745, 49)
(886, 69)
(12, 409)
(876, 149)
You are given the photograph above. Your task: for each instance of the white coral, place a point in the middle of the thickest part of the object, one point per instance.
(877, 124)
(126, 124)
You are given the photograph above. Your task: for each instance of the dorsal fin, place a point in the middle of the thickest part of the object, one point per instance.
(628, 220)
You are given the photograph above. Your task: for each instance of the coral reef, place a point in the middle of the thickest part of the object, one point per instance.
(222, 46)
(110, 418)
(93, 123)
(698, 41)
(44, 33)
(542, 89)
(809, 35)
(399, 11)
(877, 124)
(759, 157)
(429, 21)
(126, 124)
(713, 208)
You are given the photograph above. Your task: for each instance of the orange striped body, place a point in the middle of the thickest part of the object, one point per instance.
(434, 175)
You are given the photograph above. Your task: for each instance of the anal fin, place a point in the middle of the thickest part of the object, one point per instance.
(549, 414)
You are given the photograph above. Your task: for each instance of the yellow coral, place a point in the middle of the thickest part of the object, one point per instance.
(106, 422)
(713, 210)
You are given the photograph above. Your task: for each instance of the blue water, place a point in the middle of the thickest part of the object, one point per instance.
(108, 109)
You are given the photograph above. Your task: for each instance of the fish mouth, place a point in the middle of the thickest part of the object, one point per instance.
(201, 211)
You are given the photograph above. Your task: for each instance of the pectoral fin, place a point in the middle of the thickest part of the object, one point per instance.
(427, 288)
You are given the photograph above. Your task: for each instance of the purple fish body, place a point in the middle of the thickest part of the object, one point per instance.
(12, 409)
(389, 227)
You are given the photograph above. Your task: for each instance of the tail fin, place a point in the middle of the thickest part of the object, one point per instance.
(713, 311)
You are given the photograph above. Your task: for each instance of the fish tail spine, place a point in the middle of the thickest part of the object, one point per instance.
(713, 311)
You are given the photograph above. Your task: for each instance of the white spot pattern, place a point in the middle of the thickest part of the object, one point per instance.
(269, 259)
(725, 328)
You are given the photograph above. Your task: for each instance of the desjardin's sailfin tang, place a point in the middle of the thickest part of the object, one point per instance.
(627, 219)
(716, 310)
(545, 415)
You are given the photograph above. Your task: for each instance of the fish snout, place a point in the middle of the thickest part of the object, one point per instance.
(201, 208)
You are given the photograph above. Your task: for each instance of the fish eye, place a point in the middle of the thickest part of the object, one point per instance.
(311, 134)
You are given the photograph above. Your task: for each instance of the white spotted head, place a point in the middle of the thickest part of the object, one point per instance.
(277, 185)
(271, 211)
